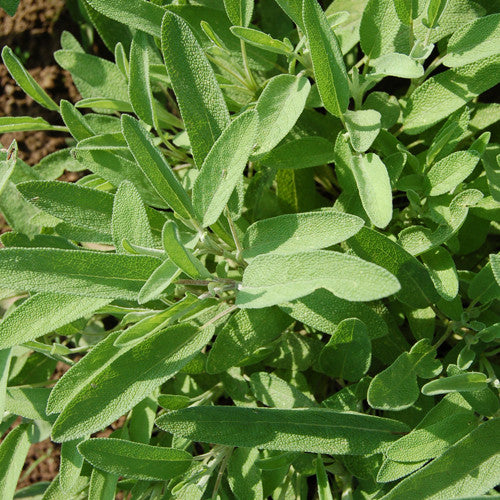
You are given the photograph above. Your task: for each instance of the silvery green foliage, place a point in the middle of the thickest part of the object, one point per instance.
(281, 268)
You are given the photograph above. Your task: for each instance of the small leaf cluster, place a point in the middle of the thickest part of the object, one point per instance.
(280, 266)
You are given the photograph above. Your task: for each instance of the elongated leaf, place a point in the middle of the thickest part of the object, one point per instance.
(7, 166)
(102, 485)
(279, 107)
(127, 207)
(474, 41)
(399, 65)
(141, 15)
(260, 40)
(470, 467)
(223, 167)
(142, 368)
(417, 289)
(75, 122)
(441, 95)
(73, 272)
(324, 489)
(135, 460)
(155, 167)
(26, 81)
(348, 353)
(13, 451)
(374, 188)
(363, 127)
(311, 430)
(464, 382)
(407, 10)
(71, 465)
(77, 205)
(43, 313)
(328, 64)
(273, 279)
(26, 124)
(244, 476)
(442, 271)
(239, 11)
(299, 232)
(244, 333)
(200, 99)
(160, 279)
(4, 375)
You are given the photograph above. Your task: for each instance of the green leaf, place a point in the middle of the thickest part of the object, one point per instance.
(324, 489)
(279, 107)
(155, 167)
(448, 173)
(407, 10)
(71, 465)
(243, 335)
(273, 279)
(93, 76)
(28, 402)
(42, 314)
(495, 266)
(141, 15)
(26, 124)
(417, 289)
(5, 360)
(441, 95)
(159, 280)
(363, 127)
(181, 256)
(434, 10)
(74, 204)
(239, 11)
(399, 65)
(139, 88)
(391, 471)
(470, 467)
(261, 40)
(75, 121)
(7, 166)
(74, 272)
(394, 388)
(127, 207)
(323, 311)
(348, 352)
(200, 99)
(26, 81)
(102, 485)
(277, 393)
(10, 6)
(243, 475)
(329, 69)
(464, 382)
(135, 460)
(310, 430)
(223, 167)
(442, 271)
(13, 451)
(473, 41)
(293, 233)
(141, 368)
(423, 356)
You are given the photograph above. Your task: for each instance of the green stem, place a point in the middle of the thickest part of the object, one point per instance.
(248, 72)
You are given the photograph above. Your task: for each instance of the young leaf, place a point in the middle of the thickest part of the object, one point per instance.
(261, 40)
(155, 167)
(42, 314)
(243, 475)
(127, 207)
(279, 107)
(26, 124)
(374, 187)
(180, 255)
(324, 489)
(407, 10)
(470, 44)
(223, 167)
(135, 460)
(74, 272)
(328, 64)
(141, 368)
(102, 485)
(348, 352)
(200, 98)
(399, 65)
(442, 271)
(159, 280)
(417, 289)
(363, 127)
(464, 382)
(239, 11)
(467, 468)
(75, 122)
(245, 333)
(4, 376)
(273, 279)
(26, 81)
(293, 233)
(310, 430)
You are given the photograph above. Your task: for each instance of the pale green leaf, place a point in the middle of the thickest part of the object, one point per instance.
(243, 475)
(293, 233)
(399, 65)
(463, 382)
(273, 279)
(442, 271)
(135, 460)
(26, 124)
(159, 280)
(310, 430)
(239, 11)
(363, 127)
(76, 123)
(261, 40)
(5, 360)
(70, 466)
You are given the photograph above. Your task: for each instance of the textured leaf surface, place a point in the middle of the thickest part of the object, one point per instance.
(311, 430)
(363, 127)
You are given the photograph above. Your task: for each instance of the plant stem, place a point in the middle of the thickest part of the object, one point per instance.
(248, 72)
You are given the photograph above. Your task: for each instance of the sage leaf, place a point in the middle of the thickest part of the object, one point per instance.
(363, 127)
(223, 167)
(261, 40)
(135, 460)
(200, 98)
(326, 431)
(398, 65)
(273, 279)
(244, 477)
(239, 11)
(26, 124)
(328, 64)
(442, 271)
(71, 465)
(464, 382)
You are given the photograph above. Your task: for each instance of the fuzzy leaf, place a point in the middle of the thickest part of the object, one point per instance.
(442, 271)
(239, 11)
(363, 127)
(261, 40)
(243, 475)
(464, 382)
(399, 65)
